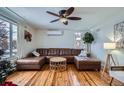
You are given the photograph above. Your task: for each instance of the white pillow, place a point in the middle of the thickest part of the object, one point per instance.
(82, 53)
(35, 53)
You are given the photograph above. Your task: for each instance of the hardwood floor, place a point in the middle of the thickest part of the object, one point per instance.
(70, 77)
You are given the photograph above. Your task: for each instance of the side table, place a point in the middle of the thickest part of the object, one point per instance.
(58, 63)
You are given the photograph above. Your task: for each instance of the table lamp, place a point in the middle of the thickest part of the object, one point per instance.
(109, 58)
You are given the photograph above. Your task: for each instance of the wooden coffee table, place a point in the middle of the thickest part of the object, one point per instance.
(58, 63)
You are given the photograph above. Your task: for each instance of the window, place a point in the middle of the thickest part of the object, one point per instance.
(78, 40)
(8, 39)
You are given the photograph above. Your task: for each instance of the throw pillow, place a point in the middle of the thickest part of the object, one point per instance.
(82, 54)
(35, 53)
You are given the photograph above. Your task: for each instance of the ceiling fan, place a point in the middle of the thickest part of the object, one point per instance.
(64, 16)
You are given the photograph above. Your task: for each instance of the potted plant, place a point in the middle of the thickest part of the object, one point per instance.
(88, 39)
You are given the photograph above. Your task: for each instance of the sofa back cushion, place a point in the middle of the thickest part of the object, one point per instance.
(58, 51)
(43, 51)
(53, 52)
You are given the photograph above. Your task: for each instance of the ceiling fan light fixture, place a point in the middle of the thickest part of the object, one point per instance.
(64, 16)
(63, 20)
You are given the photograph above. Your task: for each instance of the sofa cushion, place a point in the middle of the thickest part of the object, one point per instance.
(48, 58)
(30, 60)
(70, 59)
(53, 52)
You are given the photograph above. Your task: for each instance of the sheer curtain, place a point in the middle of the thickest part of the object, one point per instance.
(20, 41)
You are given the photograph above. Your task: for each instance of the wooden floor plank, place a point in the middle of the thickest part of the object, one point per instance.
(43, 77)
(97, 78)
(66, 78)
(69, 77)
(50, 79)
(84, 81)
(34, 79)
(89, 80)
(72, 76)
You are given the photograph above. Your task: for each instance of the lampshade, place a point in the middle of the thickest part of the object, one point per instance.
(63, 19)
(109, 45)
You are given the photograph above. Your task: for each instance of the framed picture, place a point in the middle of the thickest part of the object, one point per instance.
(119, 34)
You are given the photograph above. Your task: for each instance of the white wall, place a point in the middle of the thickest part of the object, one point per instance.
(106, 35)
(64, 41)
(25, 47)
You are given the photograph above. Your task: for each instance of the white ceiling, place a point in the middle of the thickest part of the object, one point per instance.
(91, 16)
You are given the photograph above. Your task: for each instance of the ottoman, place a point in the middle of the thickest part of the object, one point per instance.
(86, 63)
(30, 63)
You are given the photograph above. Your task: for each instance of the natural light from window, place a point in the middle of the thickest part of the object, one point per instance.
(8, 39)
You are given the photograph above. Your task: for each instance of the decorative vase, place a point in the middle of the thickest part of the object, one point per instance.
(88, 55)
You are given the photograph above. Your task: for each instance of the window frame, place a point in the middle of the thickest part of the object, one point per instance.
(11, 23)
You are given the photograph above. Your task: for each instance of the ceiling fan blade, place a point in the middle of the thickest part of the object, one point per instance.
(54, 20)
(52, 13)
(69, 11)
(74, 18)
(65, 23)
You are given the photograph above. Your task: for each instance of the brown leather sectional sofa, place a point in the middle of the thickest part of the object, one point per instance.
(32, 62)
